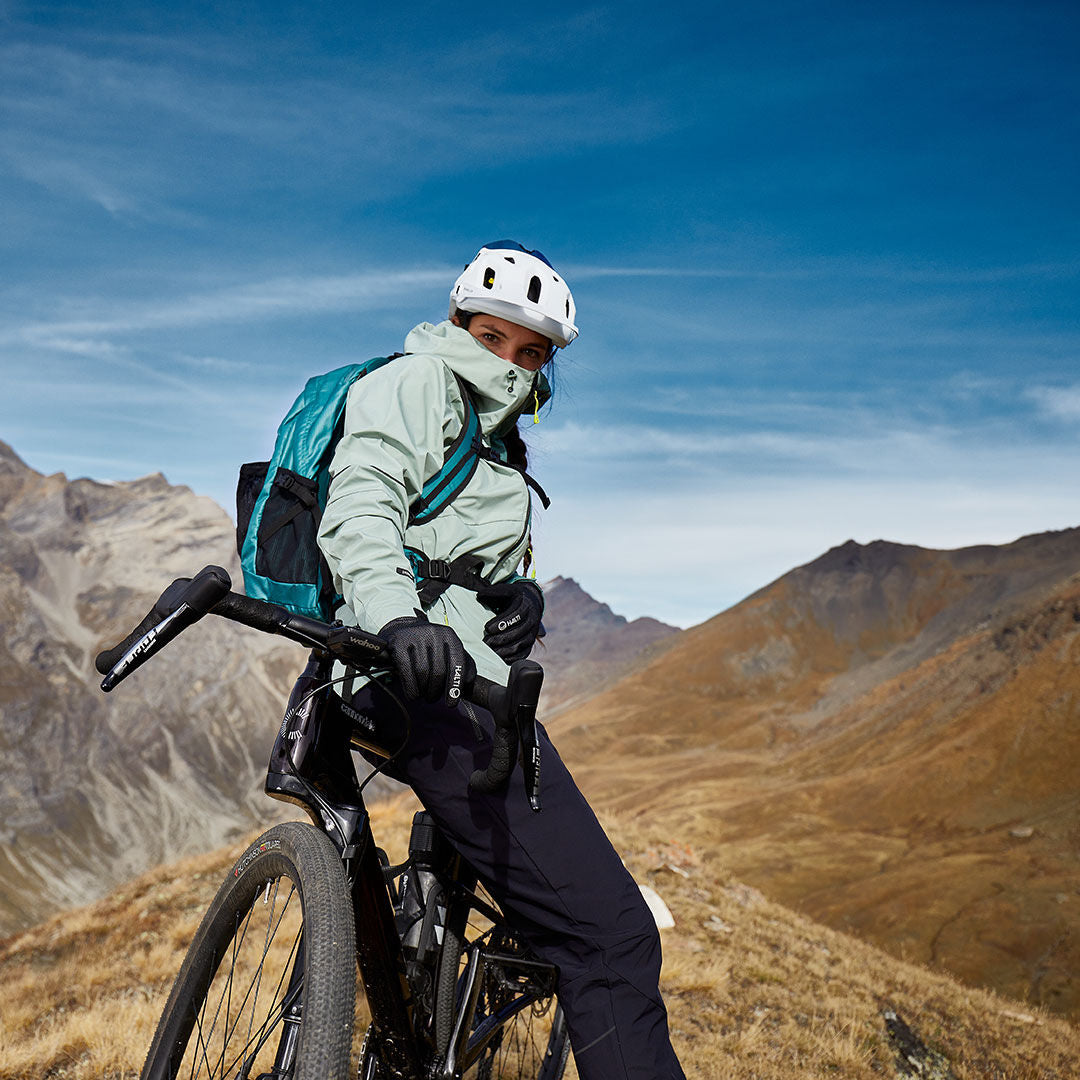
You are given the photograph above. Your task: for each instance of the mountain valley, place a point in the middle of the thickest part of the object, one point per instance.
(884, 739)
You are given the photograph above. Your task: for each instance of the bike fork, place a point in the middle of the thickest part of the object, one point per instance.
(292, 1007)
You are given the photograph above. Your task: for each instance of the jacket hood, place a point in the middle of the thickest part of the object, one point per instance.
(501, 391)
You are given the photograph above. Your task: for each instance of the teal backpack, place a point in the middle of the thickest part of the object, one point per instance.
(280, 502)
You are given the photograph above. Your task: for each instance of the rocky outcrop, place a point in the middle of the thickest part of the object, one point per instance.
(97, 788)
(588, 646)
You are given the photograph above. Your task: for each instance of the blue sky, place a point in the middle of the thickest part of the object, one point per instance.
(825, 255)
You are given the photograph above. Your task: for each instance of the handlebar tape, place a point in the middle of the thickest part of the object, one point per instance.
(503, 757)
(163, 607)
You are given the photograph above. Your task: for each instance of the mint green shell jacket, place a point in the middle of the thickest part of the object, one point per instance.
(399, 420)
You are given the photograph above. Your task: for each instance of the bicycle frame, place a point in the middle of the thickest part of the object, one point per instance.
(463, 1051)
(311, 766)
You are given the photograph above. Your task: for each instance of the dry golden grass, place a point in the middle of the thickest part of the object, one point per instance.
(932, 812)
(755, 992)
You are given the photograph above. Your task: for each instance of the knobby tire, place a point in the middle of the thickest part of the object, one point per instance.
(285, 897)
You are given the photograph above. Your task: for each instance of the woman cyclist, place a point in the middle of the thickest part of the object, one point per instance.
(446, 595)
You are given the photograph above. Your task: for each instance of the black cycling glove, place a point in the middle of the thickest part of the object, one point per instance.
(429, 659)
(519, 606)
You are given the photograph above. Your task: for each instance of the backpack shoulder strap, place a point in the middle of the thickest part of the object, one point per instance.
(459, 463)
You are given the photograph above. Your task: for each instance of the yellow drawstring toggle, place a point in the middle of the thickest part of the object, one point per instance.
(536, 408)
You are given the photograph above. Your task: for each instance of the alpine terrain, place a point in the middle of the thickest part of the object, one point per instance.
(97, 788)
(886, 739)
(587, 646)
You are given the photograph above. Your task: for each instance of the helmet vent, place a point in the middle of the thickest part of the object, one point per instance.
(534, 290)
(489, 278)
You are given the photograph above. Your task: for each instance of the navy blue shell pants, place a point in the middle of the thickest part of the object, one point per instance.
(557, 876)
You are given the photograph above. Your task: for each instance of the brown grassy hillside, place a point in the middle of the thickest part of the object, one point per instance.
(755, 992)
(887, 740)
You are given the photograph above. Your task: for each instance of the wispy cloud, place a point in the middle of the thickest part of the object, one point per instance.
(63, 176)
(851, 269)
(891, 436)
(1057, 402)
(683, 557)
(70, 111)
(256, 301)
(215, 364)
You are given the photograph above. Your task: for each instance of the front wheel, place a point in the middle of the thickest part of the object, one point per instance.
(269, 984)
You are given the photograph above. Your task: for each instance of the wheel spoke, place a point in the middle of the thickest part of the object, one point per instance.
(276, 1009)
(233, 1010)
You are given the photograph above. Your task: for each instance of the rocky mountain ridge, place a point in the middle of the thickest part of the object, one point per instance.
(588, 646)
(885, 738)
(97, 788)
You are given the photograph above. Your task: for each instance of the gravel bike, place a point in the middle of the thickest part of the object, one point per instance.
(268, 987)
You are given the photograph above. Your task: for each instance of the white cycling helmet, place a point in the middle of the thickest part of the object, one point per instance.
(508, 280)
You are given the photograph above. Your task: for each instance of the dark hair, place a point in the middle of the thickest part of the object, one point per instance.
(517, 453)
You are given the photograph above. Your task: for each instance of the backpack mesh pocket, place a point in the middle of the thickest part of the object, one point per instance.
(252, 478)
(287, 548)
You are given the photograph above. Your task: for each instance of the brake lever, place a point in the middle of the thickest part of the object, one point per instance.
(528, 680)
(198, 597)
(514, 710)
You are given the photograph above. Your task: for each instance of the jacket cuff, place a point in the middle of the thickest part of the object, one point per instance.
(515, 578)
(374, 612)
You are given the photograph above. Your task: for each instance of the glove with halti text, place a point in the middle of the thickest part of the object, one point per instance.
(518, 607)
(429, 659)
